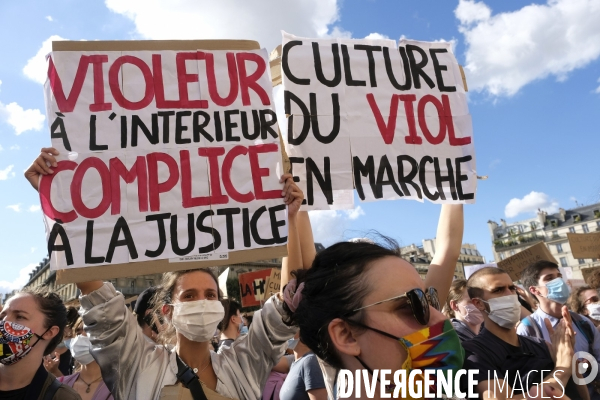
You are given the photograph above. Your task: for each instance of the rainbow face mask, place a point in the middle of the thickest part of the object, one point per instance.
(434, 347)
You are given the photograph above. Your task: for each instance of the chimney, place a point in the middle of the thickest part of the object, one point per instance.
(503, 222)
(542, 217)
(562, 214)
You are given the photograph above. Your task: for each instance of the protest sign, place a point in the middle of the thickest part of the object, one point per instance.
(587, 272)
(170, 154)
(471, 269)
(253, 287)
(391, 121)
(274, 282)
(585, 245)
(514, 265)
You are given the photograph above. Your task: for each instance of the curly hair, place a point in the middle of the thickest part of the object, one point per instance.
(575, 304)
(457, 291)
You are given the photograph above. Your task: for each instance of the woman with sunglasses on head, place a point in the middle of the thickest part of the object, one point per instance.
(135, 368)
(87, 379)
(364, 307)
(32, 323)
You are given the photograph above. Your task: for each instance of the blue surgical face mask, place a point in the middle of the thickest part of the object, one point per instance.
(292, 343)
(558, 290)
(67, 343)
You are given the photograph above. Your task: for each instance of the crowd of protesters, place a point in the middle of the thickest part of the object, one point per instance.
(356, 305)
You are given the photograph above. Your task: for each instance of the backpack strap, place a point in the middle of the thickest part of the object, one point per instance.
(189, 379)
(584, 327)
(52, 389)
(536, 328)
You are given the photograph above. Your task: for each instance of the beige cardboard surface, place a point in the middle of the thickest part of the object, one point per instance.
(514, 265)
(274, 282)
(158, 266)
(586, 272)
(585, 245)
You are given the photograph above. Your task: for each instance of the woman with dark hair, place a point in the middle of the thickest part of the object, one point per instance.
(231, 325)
(135, 368)
(361, 306)
(61, 362)
(32, 323)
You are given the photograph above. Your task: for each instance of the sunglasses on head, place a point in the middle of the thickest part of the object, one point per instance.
(418, 300)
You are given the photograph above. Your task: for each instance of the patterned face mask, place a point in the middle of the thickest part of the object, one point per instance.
(435, 347)
(15, 342)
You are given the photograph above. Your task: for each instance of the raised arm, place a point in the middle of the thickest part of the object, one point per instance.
(307, 241)
(42, 165)
(448, 241)
(293, 197)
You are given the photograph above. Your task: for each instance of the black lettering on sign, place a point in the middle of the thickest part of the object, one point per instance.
(423, 180)
(323, 179)
(314, 118)
(348, 71)
(208, 229)
(180, 127)
(439, 178)
(266, 125)
(367, 170)
(165, 116)
(256, 130)
(285, 66)
(58, 230)
(137, 123)
(275, 223)
(404, 179)
(461, 178)
(191, 233)
(198, 128)
(121, 226)
(417, 68)
(123, 131)
(218, 129)
(229, 213)
(246, 227)
(385, 171)
(254, 228)
(162, 237)
(288, 97)
(58, 131)
(89, 244)
(390, 71)
(337, 69)
(438, 70)
(370, 49)
(93, 145)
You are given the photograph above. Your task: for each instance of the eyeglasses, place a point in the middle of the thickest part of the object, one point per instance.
(418, 300)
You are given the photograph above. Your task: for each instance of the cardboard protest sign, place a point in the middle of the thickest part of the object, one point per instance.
(170, 154)
(514, 265)
(585, 245)
(273, 282)
(391, 121)
(587, 272)
(471, 269)
(253, 287)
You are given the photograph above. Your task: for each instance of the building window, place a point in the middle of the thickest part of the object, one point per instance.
(132, 283)
(150, 282)
(559, 248)
(572, 229)
(563, 262)
(512, 252)
(554, 234)
(585, 228)
(502, 256)
(581, 261)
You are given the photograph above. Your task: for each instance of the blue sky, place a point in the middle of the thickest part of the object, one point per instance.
(533, 73)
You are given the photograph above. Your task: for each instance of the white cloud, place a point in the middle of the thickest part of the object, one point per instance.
(15, 147)
(36, 68)
(15, 207)
(0, 83)
(33, 249)
(329, 226)
(19, 282)
(49, 18)
(376, 35)
(20, 119)
(530, 204)
(7, 173)
(508, 50)
(596, 91)
(261, 21)
(34, 208)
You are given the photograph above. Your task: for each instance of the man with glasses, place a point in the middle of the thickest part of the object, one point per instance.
(511, 366)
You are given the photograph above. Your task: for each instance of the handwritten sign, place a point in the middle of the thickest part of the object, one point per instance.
(516, 264)
(274, 282)
(391, 121)
(585, 245)
(165, 154)
(253, 287)
(471, 269)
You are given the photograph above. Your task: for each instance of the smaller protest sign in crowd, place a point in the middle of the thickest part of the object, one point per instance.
(167, 158)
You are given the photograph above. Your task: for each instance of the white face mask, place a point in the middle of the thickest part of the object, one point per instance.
(197, 320)
(594, 311)
(505, 310)
(80, 349)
